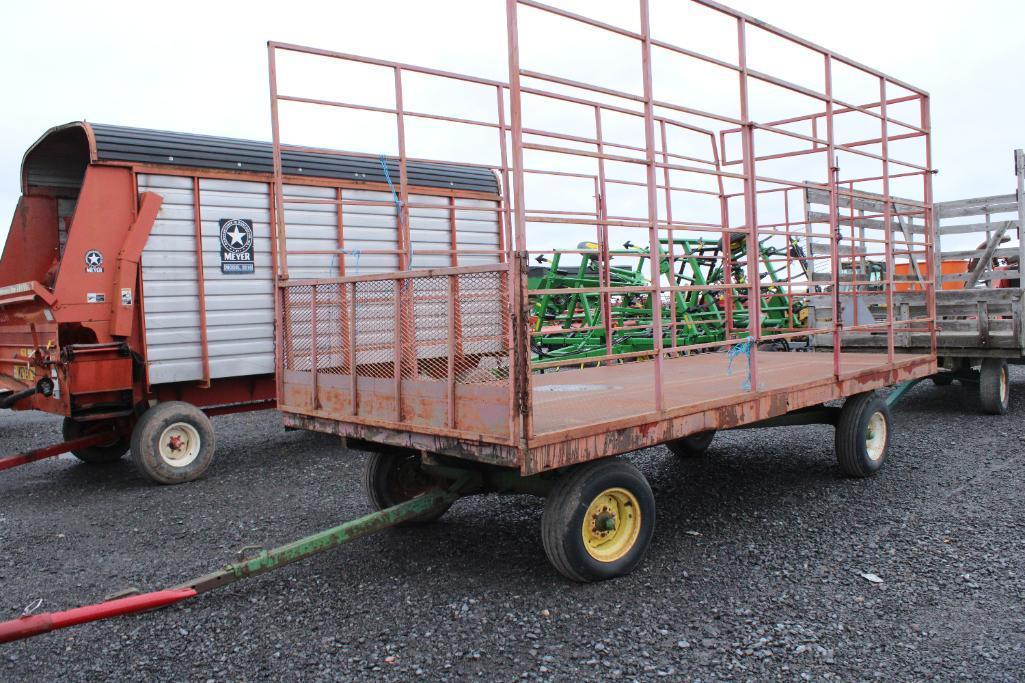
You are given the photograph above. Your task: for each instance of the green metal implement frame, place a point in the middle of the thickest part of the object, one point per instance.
(567, 306)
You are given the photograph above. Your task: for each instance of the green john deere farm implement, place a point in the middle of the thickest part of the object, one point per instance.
(569, 316)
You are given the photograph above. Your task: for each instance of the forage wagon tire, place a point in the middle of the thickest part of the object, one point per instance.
(863, 434)
(693, 446)
(598, 521)
(100, 454)
(942, 380)
(173, 443)
(393, 477)
(994, 386)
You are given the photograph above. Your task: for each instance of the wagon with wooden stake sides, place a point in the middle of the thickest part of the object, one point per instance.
(979, 309)
(429, 366)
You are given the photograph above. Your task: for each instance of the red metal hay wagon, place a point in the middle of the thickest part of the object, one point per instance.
(137, 282)
(432, 370)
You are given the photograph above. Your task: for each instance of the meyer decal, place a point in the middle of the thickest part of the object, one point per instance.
(94, 261)
(237, 246)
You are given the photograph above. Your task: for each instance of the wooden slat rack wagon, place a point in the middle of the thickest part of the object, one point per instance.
(979, 306)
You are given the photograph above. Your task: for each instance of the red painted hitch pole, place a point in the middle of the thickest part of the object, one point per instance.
(32, 625)
(50, 451)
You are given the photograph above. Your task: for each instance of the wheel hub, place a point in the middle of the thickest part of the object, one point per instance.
(407, 480)
(605, 522)
(611, 524)
(180, 444)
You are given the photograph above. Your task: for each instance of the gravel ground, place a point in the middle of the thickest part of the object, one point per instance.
(754, 572)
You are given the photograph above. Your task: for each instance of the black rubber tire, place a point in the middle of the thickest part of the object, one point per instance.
(103, 454)
(852, 434)
(146, 442)
(994, 386)
(942, 380)
(693, 446)
(567, 505)
(393, 477)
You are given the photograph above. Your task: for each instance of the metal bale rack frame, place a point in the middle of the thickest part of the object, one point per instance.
(430, 367)
(436, 363)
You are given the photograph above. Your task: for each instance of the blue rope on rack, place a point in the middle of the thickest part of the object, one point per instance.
(357, 253)
(387, 178)
(398, 202)
(352, 252)
(743, 348)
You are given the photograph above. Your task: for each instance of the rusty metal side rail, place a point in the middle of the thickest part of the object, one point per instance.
(429, 351)
(397, 275)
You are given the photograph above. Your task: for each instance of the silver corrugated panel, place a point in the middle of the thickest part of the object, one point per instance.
(169, 264)
(240, 308)
(240, 333)
(368, 229)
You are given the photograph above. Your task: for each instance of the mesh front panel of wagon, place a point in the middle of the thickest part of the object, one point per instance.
(427, 351)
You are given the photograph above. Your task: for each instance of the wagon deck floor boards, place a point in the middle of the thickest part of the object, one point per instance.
(590, 396)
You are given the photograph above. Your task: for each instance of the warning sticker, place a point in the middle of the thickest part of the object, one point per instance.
(95, 298)
(126, 296)
(237, 246)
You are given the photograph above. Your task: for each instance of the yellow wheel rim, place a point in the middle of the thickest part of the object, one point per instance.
(611, 525)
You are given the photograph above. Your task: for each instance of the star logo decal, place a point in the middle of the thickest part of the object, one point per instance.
(237, 236)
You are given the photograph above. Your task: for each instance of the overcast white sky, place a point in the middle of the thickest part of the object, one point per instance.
(201, 67)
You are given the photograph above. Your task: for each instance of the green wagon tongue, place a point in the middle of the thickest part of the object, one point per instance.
(267, 560)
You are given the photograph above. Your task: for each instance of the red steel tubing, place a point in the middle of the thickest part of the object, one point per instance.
(51, 451)
(35, 624)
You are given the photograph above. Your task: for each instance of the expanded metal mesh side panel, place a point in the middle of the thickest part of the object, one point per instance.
(327, 322)
(429, 352)
(298, 328)
(375, 328)
(426, 335)
(332, 328)
(480, 310)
